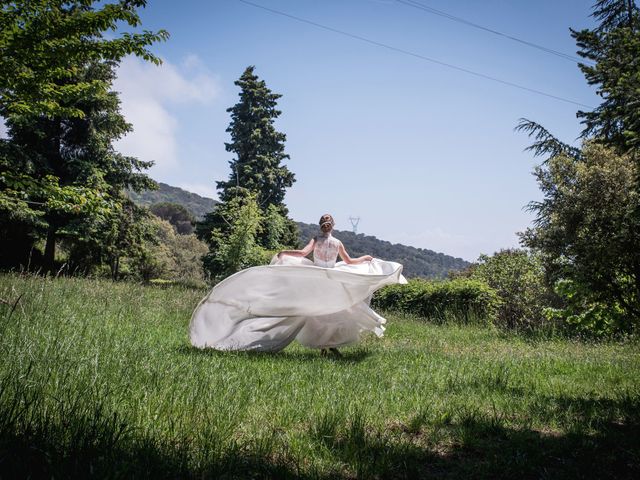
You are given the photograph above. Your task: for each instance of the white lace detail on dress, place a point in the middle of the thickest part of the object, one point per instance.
(325, 251)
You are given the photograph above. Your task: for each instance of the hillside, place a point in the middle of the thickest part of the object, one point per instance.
(166, 193)
(418, 262)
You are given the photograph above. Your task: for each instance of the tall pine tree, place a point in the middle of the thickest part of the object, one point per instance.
(258, 147)
(613, 49)
(257, 174)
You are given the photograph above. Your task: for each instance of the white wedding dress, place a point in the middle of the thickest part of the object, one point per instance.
(321, 304)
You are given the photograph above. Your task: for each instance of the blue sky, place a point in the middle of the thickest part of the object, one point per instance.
(425, 155)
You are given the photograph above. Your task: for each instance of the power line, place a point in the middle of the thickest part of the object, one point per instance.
(416, 55)
(426, 8)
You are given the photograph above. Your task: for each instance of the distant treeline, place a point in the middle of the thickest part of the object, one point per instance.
(196, 204)
(417, 262)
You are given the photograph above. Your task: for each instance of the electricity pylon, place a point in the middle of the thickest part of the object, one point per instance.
(354, 223)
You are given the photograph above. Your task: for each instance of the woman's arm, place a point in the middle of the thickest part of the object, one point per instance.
(299, 253)
(347, 259)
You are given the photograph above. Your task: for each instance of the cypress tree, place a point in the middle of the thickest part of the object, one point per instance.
(258, 147)
(257, 175)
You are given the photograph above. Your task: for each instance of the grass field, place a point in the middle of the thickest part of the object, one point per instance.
(98, 378)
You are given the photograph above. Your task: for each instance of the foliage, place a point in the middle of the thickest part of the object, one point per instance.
(45, 44)
(518, 278)
(586, 228)
(58, 166)
(134, 244)
(275, 226)
(236, 247)
(584, 314)
(259, 149)
(257, 178)
(116, 239)
(614, 48)
(176, 214)
(171, 256)
(464, 300)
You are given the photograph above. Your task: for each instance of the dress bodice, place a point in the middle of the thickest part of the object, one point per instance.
(325, 250)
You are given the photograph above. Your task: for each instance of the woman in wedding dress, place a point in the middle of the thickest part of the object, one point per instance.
(321, 304)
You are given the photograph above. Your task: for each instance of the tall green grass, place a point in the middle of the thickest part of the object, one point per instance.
(98, 378)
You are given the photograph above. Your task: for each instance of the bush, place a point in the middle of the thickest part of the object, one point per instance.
(518, 278)
(171, 256)
(584, 314)
(464, 300)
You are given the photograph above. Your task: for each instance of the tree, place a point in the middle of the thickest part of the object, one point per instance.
(235, 247)
(119, 234)
(518, 278)
(586, 228)
(258, 147)
(170, 256)
(58, 165)
(257, 176)
(259, 152)
(614, 48)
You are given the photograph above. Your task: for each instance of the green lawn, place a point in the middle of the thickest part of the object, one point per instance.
(98, 378)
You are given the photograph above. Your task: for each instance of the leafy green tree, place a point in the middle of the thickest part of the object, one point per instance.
(116, 239)
(586, 228)
(236, 246)
(58, 164)
(170, 256)
(518, 278)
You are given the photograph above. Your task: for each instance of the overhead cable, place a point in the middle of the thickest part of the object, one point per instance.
(426, 8)
(416, 55)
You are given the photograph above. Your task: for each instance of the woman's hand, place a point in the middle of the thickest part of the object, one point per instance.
(367, 258)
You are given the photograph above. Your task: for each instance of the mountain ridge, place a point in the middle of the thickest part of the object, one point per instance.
(417, 262)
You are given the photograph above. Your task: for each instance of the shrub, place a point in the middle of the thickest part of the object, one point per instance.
(462, 299)
(583, 313)
(518, 278)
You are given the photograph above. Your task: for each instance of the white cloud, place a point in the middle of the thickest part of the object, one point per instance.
(3, 128)
(147, 93)
(204, 190)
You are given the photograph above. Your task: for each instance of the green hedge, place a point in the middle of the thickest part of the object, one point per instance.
(463, 300)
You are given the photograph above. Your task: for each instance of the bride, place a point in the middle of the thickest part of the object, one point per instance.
(321, 304)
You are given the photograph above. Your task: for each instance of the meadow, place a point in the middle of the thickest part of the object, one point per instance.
(99, 379)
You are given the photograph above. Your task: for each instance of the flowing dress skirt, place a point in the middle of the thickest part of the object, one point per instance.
(265, 308)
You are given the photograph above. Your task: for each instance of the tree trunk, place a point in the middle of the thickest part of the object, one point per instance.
(116, 272)
(50, 248)
(115, 267)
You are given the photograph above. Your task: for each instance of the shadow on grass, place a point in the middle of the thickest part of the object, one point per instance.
(473, 445)
(467, 445)
(346, 356)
